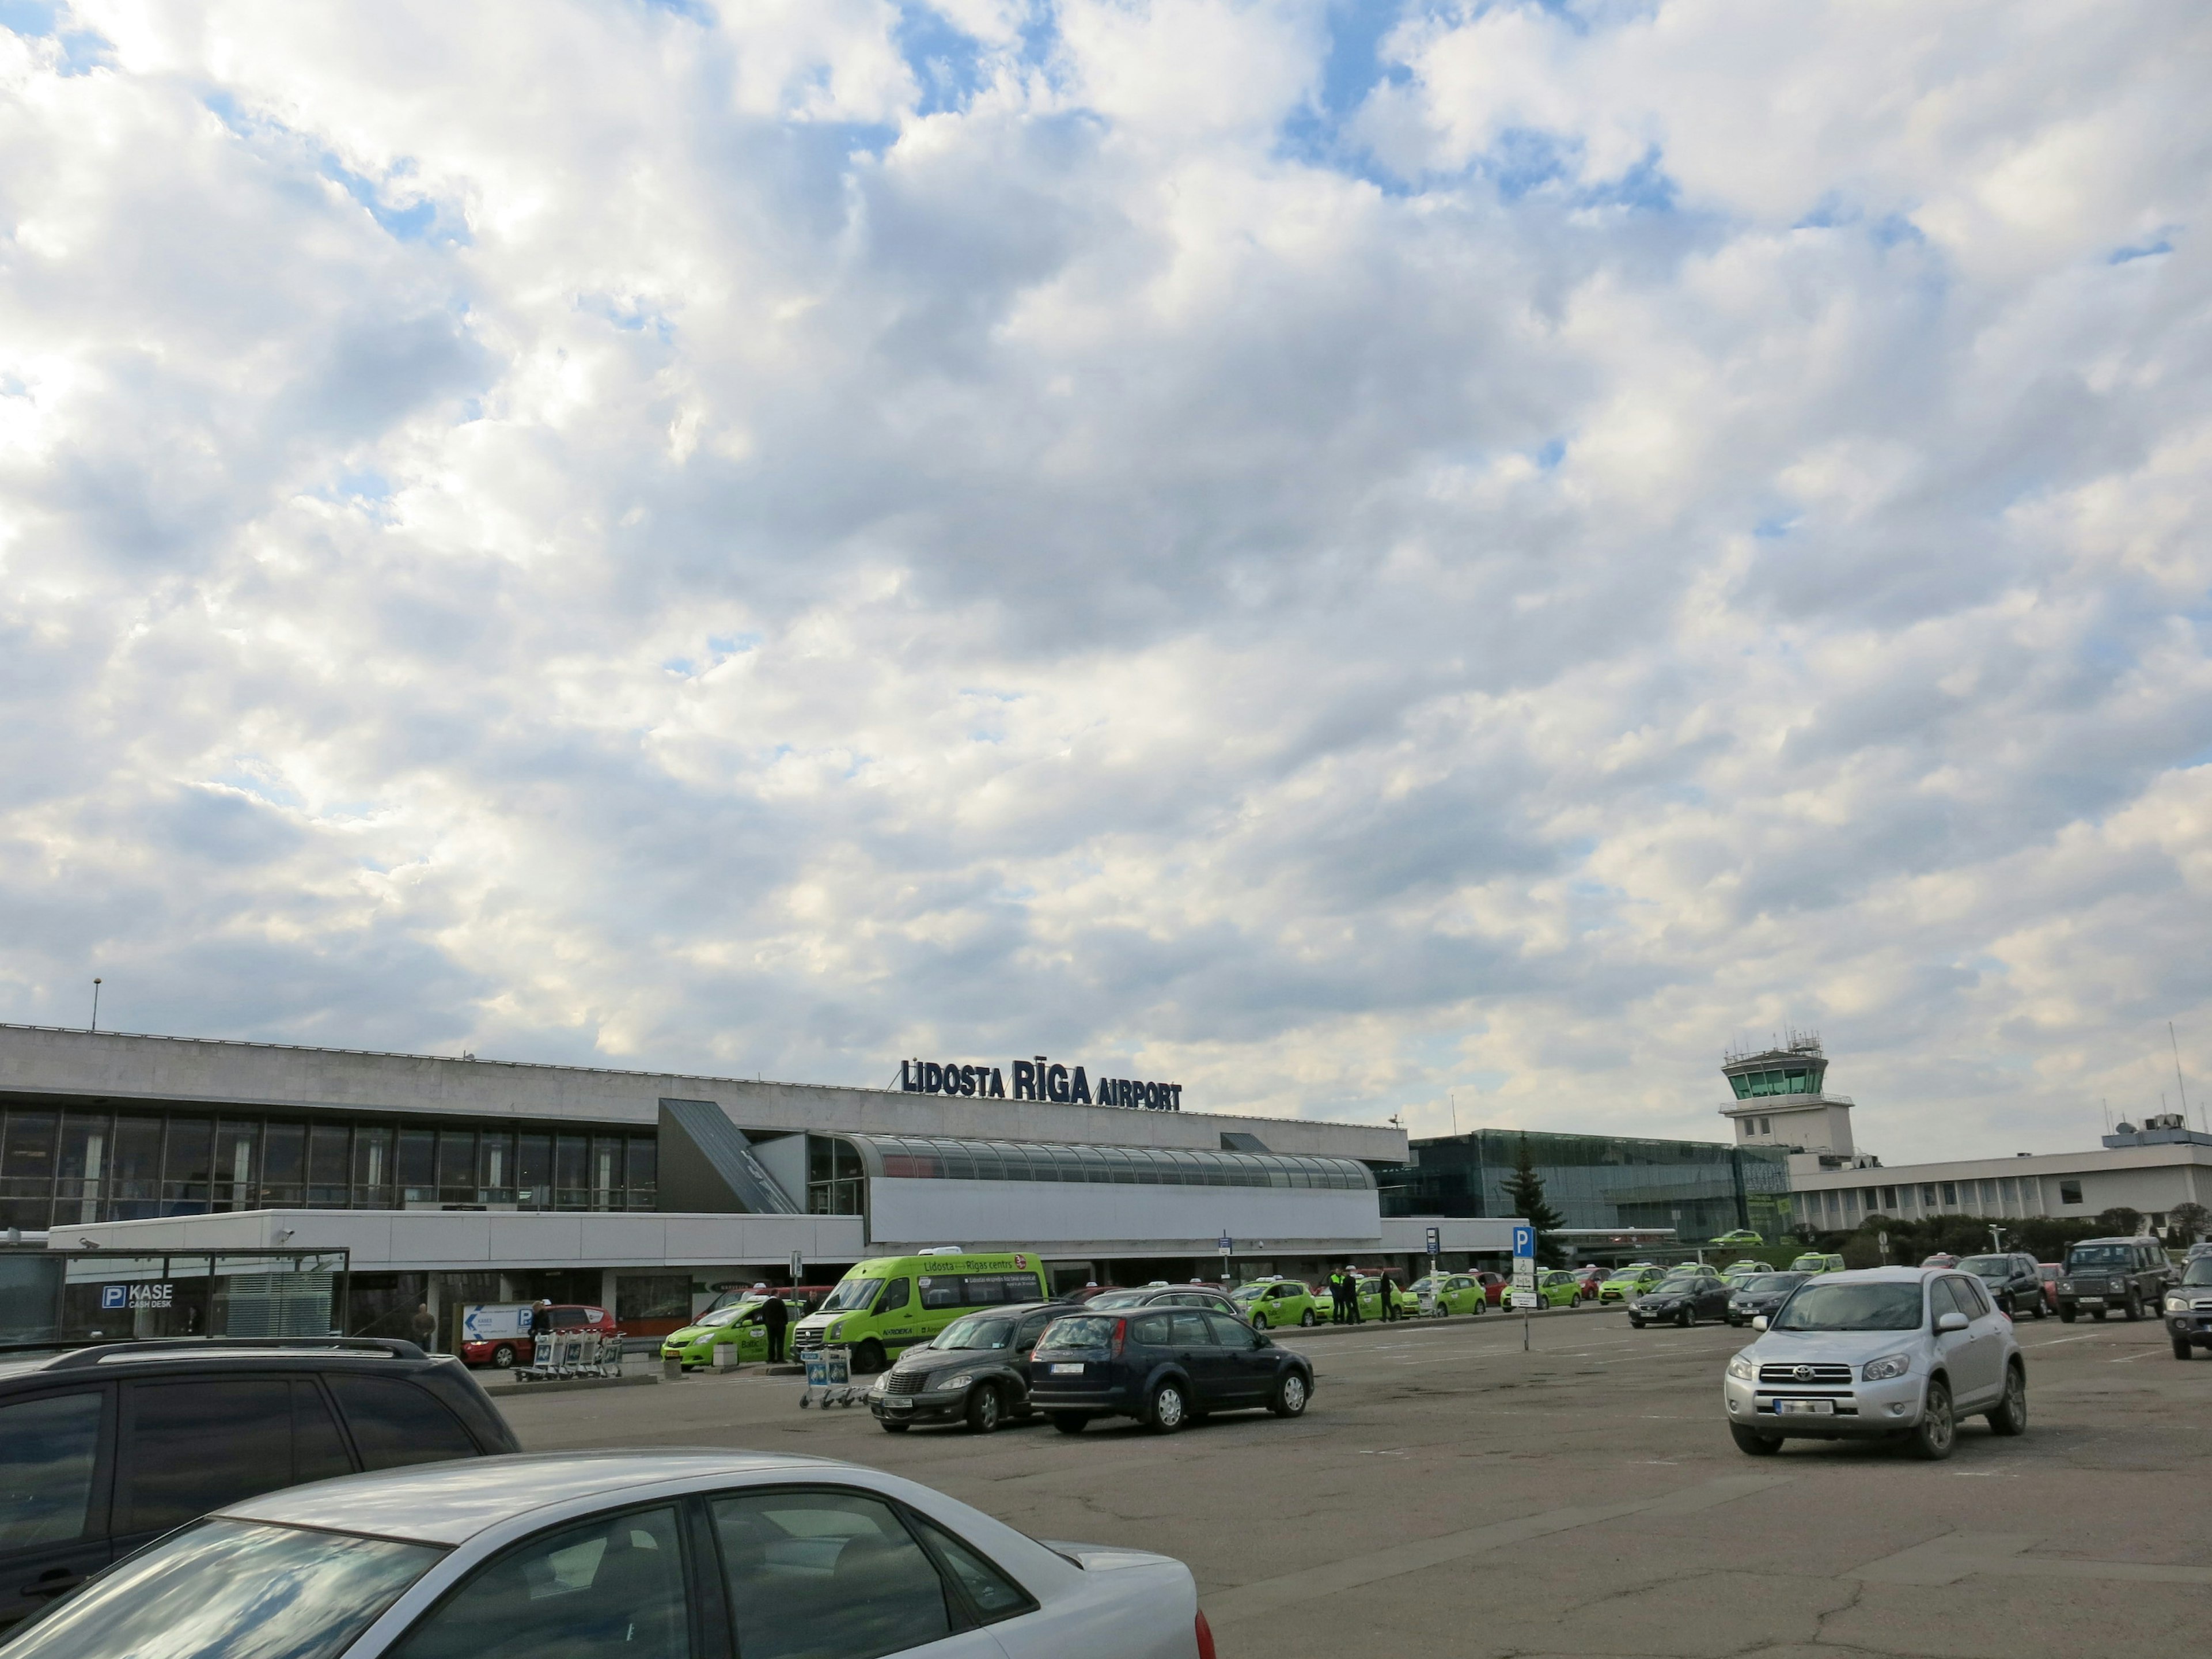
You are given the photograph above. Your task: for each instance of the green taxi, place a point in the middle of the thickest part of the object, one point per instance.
(1272, 1303)
(1815, 1262)
(1456, 1293)
(1554, 1289)
(1736, 1271)
(1631, 1281)
(732, 1323)
(1740, 1236)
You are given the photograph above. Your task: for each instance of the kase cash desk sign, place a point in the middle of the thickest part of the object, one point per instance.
(125, 1298)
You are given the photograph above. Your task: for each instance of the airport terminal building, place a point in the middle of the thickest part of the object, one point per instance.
(458, 1180)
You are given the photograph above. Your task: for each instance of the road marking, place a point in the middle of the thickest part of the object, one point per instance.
(1265, 1595)
(1958, 1555)
(2056, 1340)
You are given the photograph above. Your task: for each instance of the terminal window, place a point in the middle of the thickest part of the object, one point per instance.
(2069, 1192)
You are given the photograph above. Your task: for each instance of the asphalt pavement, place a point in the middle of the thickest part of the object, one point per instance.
(1448, 1494)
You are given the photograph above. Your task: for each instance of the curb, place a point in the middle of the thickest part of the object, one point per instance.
(568, 1385)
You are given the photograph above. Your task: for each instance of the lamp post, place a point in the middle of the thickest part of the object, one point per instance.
(95, 1002)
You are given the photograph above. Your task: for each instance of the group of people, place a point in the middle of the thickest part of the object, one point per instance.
(1344, 1297)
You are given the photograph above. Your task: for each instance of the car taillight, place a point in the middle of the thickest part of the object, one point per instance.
(1121, 1332)
(1205, 1634)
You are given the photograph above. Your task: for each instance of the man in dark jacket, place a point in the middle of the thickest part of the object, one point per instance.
(774, 1318)
(1336, 1298)
(424, 1328)
(1389, 1289)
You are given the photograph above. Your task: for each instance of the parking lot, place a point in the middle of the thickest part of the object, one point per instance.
(1448, 1494)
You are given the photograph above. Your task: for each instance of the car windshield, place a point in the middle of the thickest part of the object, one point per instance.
(1810, 1264)
(853, 1296)
(1851, 1308)
(1078, 1331)
(1987, 1267)
(1251, 1292)
(2098, 1256)
(1679, 1281)
(2199, 1272)
(231, 1588)
(1766, 1282)
(976, 1332)
(724, 1316)
(1120, 1299)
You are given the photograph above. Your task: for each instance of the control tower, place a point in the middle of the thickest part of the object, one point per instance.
(1782, 1101)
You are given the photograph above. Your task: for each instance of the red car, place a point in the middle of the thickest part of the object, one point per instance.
(2050, 1273)
(1494, 1286)
(506, 1349)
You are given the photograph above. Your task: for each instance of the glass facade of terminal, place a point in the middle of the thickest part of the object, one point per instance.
(1699, 1189)
(65, 1164)
(912, 1157)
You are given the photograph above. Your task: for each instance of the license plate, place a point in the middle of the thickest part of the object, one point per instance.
(1067, 1371)
(1805, 1407)
(898, 1405)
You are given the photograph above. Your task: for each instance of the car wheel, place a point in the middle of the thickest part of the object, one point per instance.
(2011, 1415)
(2065, 1314)
(1168, 1410)
(1290, 1399)
(1755, 1445)
(985, 1409)
(868, 1358)
(889, 1427)
(1687, 1318)
(1307, 1317)
(1258, 1321)
(1070, 1422)
(2042, 1309)
(1938, 1431)
(2182, 1349)
(2134, 1310)
(502, 1357)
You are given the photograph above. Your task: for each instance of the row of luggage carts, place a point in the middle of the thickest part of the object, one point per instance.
(566, 1354)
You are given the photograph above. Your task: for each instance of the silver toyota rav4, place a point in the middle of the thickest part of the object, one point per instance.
(1902, 1351)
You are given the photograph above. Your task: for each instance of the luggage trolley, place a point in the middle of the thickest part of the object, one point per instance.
(829, 1379)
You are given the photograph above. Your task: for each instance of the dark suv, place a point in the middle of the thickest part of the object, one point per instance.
(2130, 1274)
(1165, 1366)
(975, 1371)
(104, 1449)
(2189, 1308)
(2014, 1281)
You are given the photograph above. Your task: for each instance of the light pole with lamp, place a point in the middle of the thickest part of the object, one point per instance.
(95, 1002)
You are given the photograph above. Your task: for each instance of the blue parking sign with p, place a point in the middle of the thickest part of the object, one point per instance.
(1524, 1240)
(114, 1296)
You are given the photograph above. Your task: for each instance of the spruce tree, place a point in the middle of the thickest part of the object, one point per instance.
(1525, 1192)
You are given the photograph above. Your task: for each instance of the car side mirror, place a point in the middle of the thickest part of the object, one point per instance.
(1946, 1323)
(1758, 1322)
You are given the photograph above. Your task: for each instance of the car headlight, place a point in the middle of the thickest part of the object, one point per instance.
(1889, 1365)
(835, 1333)
(2065, 1284)
(2177, 1305)
(1741, 1368)
(881, 1384)
(959, 1382)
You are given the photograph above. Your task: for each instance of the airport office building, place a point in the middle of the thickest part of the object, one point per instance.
(455, 1180)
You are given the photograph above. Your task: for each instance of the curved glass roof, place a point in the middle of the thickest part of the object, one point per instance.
(912, 1157)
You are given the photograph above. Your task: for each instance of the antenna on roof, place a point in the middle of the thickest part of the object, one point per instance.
(2178, 1083)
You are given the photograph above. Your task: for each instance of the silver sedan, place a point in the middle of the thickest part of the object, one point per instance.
(645, 1555)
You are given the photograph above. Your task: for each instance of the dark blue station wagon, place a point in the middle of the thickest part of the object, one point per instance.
(1164, 1366)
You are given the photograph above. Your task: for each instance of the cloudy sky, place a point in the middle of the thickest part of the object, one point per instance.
(1340, 552)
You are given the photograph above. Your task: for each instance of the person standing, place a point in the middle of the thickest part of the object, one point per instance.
(1351, 1295)
(1335, 1297)
(424, 1326)
(775, 1317)
(1390, 1288)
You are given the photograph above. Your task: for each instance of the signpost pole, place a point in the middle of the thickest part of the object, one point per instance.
(1524, 1278)
(1227, 1245)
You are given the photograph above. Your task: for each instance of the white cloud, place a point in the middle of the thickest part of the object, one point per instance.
(782, 536)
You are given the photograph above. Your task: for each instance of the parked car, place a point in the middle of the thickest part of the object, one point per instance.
(2130, 1274)
(2198, 1252)
(1456, 1293)
(1683, 1297)
(2189, 1308)
(631, 1553)
(1272, 1303)
(975, 1371)
(104, 1449)
(1885, 1350)
(1165, 1366)
(888, 1303)
(501, 1348)
(729, 1325)
(2014, 1281)
(1760, 1295)
(1555, 1288)
(1167, 1296)
(1736, 1271)
(1494, 1286)
(1741, 1236)
(1589, 1276)
(1941, 1259)
(2049, 1273)
(1631, 1282)
(1814, 1262)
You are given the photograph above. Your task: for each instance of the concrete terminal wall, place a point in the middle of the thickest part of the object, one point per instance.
(1076, 1220)
(120, 1068)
